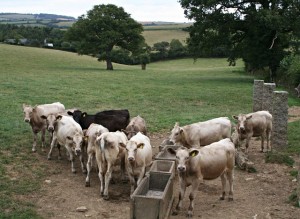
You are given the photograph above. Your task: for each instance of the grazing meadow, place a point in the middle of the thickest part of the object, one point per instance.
(181, 91)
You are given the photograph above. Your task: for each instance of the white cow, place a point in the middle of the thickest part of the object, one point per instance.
(201, 133)
(110, 152)
(138, 156)
(257, 124)
(67, 132)
(33, 116)
(209, 162)
(93, 149)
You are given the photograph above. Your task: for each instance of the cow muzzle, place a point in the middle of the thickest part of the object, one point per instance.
(50, 129)
(27, 120)
(181, 168)
(77, 152)
(242, 130)
(131, 159)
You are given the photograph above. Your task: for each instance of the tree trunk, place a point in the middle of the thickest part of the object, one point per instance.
(143, 66)
(109, 65)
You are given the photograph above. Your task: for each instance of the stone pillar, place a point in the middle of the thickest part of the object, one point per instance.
(258, 89)
(267, 98)
(280, 120)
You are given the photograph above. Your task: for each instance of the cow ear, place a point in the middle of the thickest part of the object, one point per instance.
(70, 113)
(43, 117)
(181, 131)
(122, 145)
(176, 124)
(84, 114)
(58, 117)
(171, 151)
(140, 145)
(235, 117)
(248, 117)
(193, 153)
(24, 105)
(125, 132)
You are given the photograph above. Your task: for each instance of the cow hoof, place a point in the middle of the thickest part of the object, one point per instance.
(59, 158)
(33, 150)
(175, 213)
(49, 158)
(222, 198)
(74, 171)
(189, 214)
(87, 184)
(230, 199)
(106, 197)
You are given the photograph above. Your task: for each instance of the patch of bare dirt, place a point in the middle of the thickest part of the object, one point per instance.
(256, 195)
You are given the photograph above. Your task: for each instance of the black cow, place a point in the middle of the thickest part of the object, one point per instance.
(113, 120)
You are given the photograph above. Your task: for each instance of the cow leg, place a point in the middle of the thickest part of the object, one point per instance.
(83, 167)
(247, 144)
(181, 195)
(132, 183)
(43, 139)
(268, 140)
(123, 169)
(108, 175)
(262, 142)
(71, 159)
(195, 185)
(141, 176)
(89, 168)
(59, 154)
(101, 172)
(34, 140)
(54, 141)
(230, 180)
(223, 180)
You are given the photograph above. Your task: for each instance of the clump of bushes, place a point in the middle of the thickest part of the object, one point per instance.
(280, 158)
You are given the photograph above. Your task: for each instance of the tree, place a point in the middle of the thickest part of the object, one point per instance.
(103, 28)
(176, 49)
(259, 32)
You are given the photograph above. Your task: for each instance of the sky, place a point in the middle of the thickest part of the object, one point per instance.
(140, 10)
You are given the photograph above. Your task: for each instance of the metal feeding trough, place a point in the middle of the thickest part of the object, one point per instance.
(165, 155)
(162, 167)
(153, 198)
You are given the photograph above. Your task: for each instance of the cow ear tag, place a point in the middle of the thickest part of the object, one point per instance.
(141, 146)
(83, 115)
(193, 154)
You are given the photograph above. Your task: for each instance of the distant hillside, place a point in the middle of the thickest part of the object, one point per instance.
(18, 16)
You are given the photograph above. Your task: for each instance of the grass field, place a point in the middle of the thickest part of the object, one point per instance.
(166, 92)
(155, 36)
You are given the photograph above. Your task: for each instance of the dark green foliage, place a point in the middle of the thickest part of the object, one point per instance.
(293, 199)
(294, 173)
(280, 158)
(259, 32)
(103, 28)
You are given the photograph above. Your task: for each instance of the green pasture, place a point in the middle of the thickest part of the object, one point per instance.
(167, 92)
(155, 36)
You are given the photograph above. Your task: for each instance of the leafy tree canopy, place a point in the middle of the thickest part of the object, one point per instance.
(260, 32)
(104, 27)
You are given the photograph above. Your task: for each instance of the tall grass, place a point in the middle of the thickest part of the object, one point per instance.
(181, 90)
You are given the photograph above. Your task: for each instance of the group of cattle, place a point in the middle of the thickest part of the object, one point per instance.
(111, 137)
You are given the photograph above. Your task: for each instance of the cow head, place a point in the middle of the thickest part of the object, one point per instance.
(27, 110)
(77, 115)
(51, 121)
(75, 142)
(176, 133)
(298, 90)
(242, 120)
(183, 155)
(131, 149)
(130, 131)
